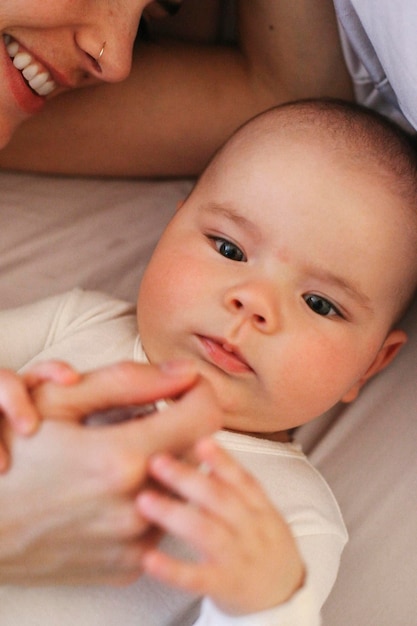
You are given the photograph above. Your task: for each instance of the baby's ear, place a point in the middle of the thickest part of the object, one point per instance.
(388, 351)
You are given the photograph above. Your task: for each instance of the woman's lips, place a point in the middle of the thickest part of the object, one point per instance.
(224, 356)
(26, 99)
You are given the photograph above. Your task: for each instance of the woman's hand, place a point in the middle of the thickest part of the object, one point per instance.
(249, 559)
(67, 504)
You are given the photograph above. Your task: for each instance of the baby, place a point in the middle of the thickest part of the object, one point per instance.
(283, 276)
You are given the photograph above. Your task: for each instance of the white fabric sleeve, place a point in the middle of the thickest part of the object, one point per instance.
(300, 610)
(25, 330)
(76, 323)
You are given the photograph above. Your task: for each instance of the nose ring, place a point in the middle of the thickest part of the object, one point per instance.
(97, 59)
(100, 54)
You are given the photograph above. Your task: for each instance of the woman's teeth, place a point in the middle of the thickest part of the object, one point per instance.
(37, 77)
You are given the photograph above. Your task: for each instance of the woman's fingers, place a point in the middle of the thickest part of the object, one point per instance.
(119, 384)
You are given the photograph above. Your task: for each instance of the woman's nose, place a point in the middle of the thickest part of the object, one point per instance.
(255, 303)
(108, 45)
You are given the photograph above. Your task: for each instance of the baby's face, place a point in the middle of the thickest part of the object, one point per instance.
(279, 276)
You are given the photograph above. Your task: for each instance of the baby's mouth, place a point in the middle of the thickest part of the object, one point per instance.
(36, 75)
(224, 356)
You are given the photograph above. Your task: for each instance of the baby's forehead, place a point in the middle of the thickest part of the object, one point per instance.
(362, 147)
(311, 161)
(259, 149)
(379, 167)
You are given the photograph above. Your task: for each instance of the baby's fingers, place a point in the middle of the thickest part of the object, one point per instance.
(56, 371)
(232, 474)
(225, 489)
(193, 485)
(205, 533)
(185, 575)
(16, 404)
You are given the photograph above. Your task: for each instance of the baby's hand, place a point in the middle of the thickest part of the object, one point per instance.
(16, 404)
(250, 561)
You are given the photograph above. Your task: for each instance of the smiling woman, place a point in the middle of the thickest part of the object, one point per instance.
(48, 47)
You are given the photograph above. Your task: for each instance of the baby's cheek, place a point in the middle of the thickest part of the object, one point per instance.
(148, 323)
(156, 323)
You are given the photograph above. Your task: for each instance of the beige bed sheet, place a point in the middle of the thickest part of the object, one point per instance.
(57, 233)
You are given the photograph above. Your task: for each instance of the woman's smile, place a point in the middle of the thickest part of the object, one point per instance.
(37, 77)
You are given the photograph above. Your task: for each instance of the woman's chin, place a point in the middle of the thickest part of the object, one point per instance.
(7, 131)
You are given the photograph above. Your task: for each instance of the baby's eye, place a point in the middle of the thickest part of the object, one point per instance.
(321, 305)
(228, 249)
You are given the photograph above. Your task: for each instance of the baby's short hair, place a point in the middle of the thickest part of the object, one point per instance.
(362, 134)
(357, 132)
